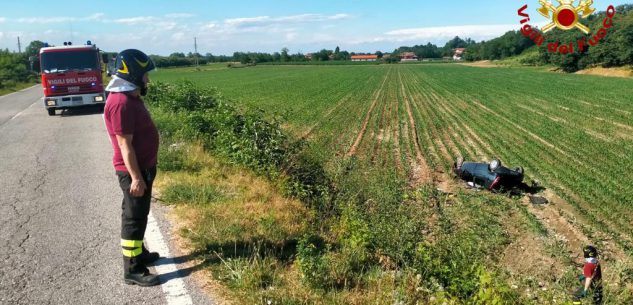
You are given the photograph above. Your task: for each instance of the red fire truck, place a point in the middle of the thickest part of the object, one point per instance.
(71, 76)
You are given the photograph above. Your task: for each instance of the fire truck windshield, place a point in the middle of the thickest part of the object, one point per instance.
(55, 62)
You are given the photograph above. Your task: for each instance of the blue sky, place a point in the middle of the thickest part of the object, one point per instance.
(222, 27)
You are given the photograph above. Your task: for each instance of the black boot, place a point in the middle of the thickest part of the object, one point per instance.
(135, 273)
(147, 258)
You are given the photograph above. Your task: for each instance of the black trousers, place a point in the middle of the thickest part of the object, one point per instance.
(597, 294)
(134, 217)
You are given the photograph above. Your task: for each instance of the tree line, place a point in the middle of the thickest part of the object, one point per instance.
(17, 67)
(284, 55)
(422, 51)
(432, 51)
(616, 49)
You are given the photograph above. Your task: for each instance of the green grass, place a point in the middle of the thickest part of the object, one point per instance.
(572, 132)
(407, 124)
(16, 87)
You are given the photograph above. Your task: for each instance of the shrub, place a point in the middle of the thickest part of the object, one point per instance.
(310, 261)
(189, 112)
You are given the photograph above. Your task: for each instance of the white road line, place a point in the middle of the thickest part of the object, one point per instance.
(27, 108)
(17, 115)
(175, 290)
(40, 100)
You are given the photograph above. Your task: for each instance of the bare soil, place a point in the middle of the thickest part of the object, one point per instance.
(481, 64)
(361, 133)
(421, 170)
(609, 72)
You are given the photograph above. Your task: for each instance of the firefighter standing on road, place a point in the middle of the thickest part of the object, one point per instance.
(134, 140)
(591, 278)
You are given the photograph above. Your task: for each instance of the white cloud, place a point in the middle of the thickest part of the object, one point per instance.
(178, 36)
(165, 25)
(339, 17)
(165, 34)
(41, 20)
(209, 26)
(247, 21)
(476, 32)
(267, 25)
(179, 15)
(293, 19)
(291, 36)
(135, 20)
(48, 20)
(95, 17)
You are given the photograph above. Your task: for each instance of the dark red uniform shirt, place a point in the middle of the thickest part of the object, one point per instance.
(126, 114)
(593, 271)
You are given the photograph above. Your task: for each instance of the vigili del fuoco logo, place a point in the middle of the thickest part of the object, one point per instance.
(566, 16)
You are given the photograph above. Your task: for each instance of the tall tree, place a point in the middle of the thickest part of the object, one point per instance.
(33, 49)
(284, 55)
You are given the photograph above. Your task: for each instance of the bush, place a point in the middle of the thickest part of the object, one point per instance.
(191, 113)
(13, 69)
(310, 261)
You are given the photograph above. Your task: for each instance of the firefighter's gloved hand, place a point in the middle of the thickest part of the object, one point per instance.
(581, 293)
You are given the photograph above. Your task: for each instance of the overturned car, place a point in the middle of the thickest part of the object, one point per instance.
(492, 176)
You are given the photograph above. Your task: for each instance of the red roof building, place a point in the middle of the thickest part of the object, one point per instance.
(459, 52)
(408, 56)
(364, 57)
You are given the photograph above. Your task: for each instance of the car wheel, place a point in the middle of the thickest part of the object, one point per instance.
(519, 170)
(494, 164)
(51, 111)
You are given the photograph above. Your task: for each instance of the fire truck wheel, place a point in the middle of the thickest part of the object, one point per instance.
(51, 111)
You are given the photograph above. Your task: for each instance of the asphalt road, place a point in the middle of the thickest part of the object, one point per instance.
(60, 208)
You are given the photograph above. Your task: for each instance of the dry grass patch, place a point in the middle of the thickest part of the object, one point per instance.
(610, 72)
(231, 205)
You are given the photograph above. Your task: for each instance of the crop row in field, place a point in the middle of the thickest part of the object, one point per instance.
(572, 133)
(372, 125)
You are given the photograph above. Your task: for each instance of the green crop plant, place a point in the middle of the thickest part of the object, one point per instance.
(366, 147)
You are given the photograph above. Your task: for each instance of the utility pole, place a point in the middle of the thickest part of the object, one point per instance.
(19, 45)
(195, 47)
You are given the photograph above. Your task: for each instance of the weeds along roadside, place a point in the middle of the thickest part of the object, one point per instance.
(350, 235)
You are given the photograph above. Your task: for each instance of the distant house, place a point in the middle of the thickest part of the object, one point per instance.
(459, 53)
(308, 56)
(408, 56)
(364, 57)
